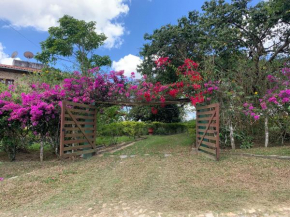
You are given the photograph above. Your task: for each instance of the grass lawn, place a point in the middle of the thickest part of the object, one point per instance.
(282, 151)
(106, 140)
(176, 185)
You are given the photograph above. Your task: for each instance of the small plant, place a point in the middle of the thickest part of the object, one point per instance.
(50, 180)
(247, 142)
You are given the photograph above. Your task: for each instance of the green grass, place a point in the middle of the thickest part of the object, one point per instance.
(159, 145)
(107, 140)
(180, 184)
(282, 151)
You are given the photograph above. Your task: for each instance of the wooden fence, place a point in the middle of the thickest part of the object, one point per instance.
(78, 129)
(207, 130)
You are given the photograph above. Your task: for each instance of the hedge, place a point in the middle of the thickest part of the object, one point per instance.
(137, 129)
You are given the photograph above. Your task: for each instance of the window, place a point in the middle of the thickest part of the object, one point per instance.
(6, 81)
(9, 81)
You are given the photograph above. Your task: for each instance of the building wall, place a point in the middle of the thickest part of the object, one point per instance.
(11, 75)
(27, 64)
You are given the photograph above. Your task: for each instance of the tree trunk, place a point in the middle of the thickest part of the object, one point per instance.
(266, 132)
(232, 136)
(41, 151)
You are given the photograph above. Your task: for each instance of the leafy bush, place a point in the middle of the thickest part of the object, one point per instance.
(137, 129)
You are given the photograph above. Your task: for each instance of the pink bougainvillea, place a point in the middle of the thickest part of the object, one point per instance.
(42, 102)
(276, 96)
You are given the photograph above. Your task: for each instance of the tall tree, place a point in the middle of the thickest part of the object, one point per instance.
(74, 38)
(178, 42)
(261, 32)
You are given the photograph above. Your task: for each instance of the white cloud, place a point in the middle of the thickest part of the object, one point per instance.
(42, 14)
(189, 112)
(277, 33)
(5, 58)
(129, 64)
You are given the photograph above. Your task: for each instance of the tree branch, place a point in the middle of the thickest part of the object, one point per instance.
(286, 43)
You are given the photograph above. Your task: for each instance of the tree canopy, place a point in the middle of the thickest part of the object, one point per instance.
(74, 38)
(225, 31)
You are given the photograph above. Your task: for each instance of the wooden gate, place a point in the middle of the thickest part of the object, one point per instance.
(207, 130)
(78, 129)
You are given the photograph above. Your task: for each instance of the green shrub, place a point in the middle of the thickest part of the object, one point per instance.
(136, 129)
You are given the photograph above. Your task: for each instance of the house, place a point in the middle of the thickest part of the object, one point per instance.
(9, 74)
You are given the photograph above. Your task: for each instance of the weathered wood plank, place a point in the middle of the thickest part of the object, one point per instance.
(78, 134)
(205, 124)
(214, 105)
(81, 117)
(76, 141)
(207, 155)
(81, 129)
(84, 111)
(80, 105)
(80, 122)
(208, 131)
(206, 118)
(210, 144)
(208, 137)
(209, 150)
(76, 147)
(76, 129)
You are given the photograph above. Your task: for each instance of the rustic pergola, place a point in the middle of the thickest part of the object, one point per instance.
(78, 126)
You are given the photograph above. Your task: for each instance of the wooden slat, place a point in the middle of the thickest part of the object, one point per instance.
(207, 155)
(79, 153)
(205, 124)
(80, 105)
(80, 122)
(76, 147)
(78, 134)
(208, 131)
(210, 144)
(206, 118)
(76, 141)
(208, 137)
(212, 151)
(81, 117)
(209, 115)
(77, 129)
(207, 106)
(80, 111)
(205, 113)
(207, 127)
(81, 129)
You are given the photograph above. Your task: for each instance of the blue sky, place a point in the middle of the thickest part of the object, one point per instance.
(24, 25)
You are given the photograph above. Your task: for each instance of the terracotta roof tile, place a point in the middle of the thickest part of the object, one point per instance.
(19, 68)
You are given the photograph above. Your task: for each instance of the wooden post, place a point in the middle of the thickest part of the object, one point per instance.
(266, 132)
(95, 126)
(218, 131)
(62, 118)
(196, 131)
(41, 151)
